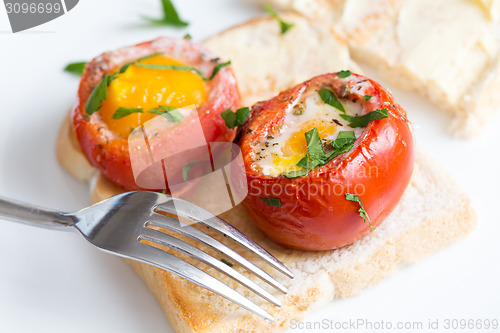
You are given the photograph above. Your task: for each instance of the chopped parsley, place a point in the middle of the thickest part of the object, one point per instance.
(344, 74)
(75, 68)
(364, 120)
(362, 212)
(123, 112)
(170, 16)
(367, 97)
(187, 168)
(329, 98)
(285, 26)
(272, 201)
(171, 113)
(186, 68)
(317, 156)
(226, 262)
(233, 119)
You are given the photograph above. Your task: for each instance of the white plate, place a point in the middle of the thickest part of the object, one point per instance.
(54, 282)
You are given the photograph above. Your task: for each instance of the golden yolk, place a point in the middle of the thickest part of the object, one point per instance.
(148, 88)
(295, 147)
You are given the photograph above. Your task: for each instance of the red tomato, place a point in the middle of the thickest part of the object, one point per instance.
(106, 149)
(314, 212)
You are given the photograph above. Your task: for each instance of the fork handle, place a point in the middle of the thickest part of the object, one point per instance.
(25, 213)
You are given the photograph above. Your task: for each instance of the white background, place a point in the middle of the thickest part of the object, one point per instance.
(54, 282)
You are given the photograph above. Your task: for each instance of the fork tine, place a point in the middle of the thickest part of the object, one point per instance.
(172, 224)
(200, 215)
(159, 237)
(150, 255)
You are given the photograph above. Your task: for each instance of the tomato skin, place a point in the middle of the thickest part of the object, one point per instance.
(106, 150)
(314, 213)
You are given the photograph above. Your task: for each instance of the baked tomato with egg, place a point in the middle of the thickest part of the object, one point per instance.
(122, 90)
(326, 161)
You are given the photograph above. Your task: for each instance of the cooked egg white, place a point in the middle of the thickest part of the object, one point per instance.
(280, 154)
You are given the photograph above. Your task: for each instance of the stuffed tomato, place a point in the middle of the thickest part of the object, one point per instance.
(326, 161)
(122, 90)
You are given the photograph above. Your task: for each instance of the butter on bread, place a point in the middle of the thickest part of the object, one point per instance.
(433, 213)
(445, 50)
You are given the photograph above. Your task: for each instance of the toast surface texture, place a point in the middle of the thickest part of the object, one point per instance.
(266, 62)
(433, 213)
(445, 50)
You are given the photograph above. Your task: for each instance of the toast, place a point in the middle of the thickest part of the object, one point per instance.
(433, 213)
(445, 50)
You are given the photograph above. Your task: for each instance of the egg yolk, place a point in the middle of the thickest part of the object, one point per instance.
(148, 88)
(295, 148)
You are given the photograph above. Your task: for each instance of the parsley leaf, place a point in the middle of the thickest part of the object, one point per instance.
(329, 98)
(314, 146)
(367, 97)
(75, 68)
(285, 26)
(362, 212)
(342, 144)
(171, 113)
(295, 174)
(187, 168)
(344, 74)
(170, 16)
(276, 202)
(123, 112)
(185, 68)
(217, 68)
(226, 262)
(98, 95)
(364, 120)
(233, 119)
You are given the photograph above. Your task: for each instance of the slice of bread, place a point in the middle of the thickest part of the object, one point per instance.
(445, 50)
(433, 213)
(266, 62)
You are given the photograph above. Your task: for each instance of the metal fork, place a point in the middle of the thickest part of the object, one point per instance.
(120, 224)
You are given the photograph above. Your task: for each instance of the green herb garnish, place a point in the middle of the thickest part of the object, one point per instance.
(226, 262)
(75, 68)
(285, 26)
(187, 36)
(364, 120)
(329, 98)
(100, 91)
(316, 155)
(187, 168)
(362, 212)
(186, 68)
(233, 119)
(367, 97)
(171, 113)
(98, 94)
(123, 112)
(344, 74)
(272, 201)
(170, 16)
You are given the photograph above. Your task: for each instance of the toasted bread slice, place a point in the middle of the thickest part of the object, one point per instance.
(445, 50)
(266, 62)
(433, 213)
